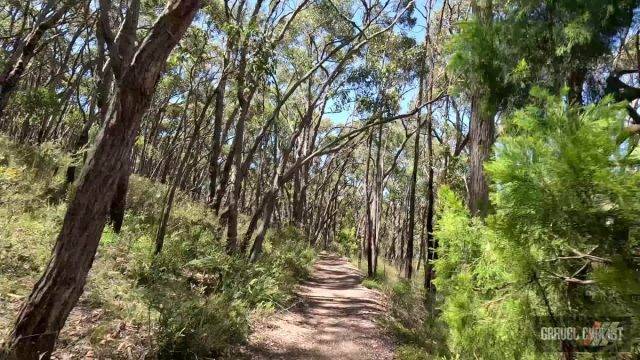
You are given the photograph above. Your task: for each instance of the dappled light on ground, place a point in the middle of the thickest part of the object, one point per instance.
(335, 318)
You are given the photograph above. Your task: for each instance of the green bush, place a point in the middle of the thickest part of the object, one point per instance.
(347, 243)
(31, 177)
(205, 298)
(412, 352)
(28, 219)
(414, 323)
(199, 326)
(372, 284)
(563, 185)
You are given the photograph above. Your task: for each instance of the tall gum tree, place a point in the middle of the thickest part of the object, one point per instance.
(45, 311)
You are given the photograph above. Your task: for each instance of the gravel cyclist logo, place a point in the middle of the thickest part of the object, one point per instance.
(590, 335)
(599, 334)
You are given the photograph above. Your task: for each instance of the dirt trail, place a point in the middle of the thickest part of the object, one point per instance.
(335, 319)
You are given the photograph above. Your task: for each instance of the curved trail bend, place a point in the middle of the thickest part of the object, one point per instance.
(334, 319)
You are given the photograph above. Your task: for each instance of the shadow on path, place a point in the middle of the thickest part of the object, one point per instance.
(334, 319)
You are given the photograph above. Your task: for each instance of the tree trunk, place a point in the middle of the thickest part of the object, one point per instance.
(253, 224)
(56, 293)
(216, 136)
(377, 200)
(369, 216)
(431, 243)
(82, 140)
(575, 81)
(481, 131)
(177, 178)
(119, 201)
(412, 185)
(231, 214)
(481, 136)
(412, 205)
(270, 204)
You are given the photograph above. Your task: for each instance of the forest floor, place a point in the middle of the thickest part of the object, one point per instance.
(334, 318)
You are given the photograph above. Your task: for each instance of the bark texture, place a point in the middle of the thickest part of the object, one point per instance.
(481, 136)
(44, 313)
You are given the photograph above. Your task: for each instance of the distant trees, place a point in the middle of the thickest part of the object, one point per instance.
(24, 49)
(236, 116)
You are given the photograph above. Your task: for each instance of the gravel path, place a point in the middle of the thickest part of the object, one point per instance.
(334, 319)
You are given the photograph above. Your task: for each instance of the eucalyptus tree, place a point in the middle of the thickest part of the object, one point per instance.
(451, 136)
(382, 78)
(379, 19)
(199, 72)
(56, 293)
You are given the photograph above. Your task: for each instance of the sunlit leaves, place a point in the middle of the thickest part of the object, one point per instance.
(560, 188)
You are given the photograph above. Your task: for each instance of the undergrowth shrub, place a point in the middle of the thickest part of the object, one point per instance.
(28, 216)
(346, 242)
(205, 297)
(193, 299)
(372, 283)
(379, 281)
(30, 177)
(413, 321)
(146, 197)
(412, 315)
(200, 326)
(412, 352)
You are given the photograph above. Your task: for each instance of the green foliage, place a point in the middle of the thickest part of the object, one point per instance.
(479, 61)
(372, 284)
(412, 352)
(347, 242)
(469, 278)
(36, 100)
(193, 299)
(505, 50)
(573, 31)
(378, 82)
(414, 323)
(205, 297)
(562, 186)
(199, 326)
